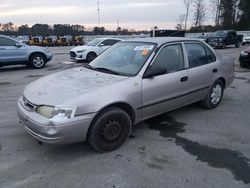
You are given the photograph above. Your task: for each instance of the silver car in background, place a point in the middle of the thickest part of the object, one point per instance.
(13, 52)
(130, 82)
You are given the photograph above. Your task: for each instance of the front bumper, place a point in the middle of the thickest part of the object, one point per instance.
(47, 131)
(77, 56)
(216, 44)
(49, 56)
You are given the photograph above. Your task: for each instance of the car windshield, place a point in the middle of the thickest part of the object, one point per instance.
(124, 58)
(94, 42)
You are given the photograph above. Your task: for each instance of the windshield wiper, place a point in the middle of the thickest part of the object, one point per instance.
(102, 69)
(89, 67)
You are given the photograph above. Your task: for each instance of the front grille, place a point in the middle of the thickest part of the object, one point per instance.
(28, 105)
(72, 54)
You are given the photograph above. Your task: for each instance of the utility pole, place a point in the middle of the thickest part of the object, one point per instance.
(98, 10)
(118, 23)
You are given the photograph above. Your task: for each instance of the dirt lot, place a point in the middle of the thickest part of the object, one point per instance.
(189, 147)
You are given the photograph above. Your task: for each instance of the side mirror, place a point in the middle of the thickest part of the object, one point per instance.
(154, 71)
(19, 45)
(101, 45)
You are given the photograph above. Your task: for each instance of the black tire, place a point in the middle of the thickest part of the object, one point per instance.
(109, 130)
(242, 64)
(91, 56)
(237, 45)
(223, 45)
(243, 44)
(217, 90)
(37, 61)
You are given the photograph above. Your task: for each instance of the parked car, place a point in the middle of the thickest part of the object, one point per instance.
(92, 49)
(223, 38)
(204, 38)
(245, 58)
(130, 82)
(246, 40)
(13, 52)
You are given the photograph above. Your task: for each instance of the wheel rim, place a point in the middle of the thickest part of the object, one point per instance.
(38, 61)
(216, 94)
(111, 131)
(91, 56)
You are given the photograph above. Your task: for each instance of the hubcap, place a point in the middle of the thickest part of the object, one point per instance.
(111, 131)
(216, 94)
(91, 56)
(38, 61)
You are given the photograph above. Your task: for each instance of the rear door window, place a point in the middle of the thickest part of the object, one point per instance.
(198, 55)
(109, 42)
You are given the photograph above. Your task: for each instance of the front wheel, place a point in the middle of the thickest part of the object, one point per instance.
(109, 130)
(214, 96)
(91, 56)
(237, 45)
(242, 64)
(37, 61)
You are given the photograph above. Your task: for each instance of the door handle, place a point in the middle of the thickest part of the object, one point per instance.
(215, 70)
(184, 79)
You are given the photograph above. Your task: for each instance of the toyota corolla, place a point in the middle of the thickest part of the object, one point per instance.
(130, 82)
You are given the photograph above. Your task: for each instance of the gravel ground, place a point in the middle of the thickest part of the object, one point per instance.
(189, 147)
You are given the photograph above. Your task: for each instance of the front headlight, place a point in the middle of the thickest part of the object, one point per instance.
(80, 51)
(57, 112)
(220, 39)
(45, 111)
(243, 53)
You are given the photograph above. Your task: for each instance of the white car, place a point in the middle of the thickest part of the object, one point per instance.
(246, 40)
(92, 49)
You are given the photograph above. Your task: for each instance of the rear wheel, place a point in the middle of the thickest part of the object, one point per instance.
(214, 96)
(109, 130)
(37, 61)
(242, 64)
(91, 56)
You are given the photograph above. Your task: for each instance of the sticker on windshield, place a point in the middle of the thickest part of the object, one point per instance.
(144, 47)
(145, 52)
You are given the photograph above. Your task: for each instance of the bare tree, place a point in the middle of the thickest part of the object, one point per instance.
(215, 9)
(199, 12)
(180, 22)
(187, 4)
(229, 13)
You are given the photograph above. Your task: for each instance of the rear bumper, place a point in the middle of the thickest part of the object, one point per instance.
(47, 131)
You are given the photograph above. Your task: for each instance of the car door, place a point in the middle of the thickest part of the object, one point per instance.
(9, 52)
(165, 92)
(202, 69)
(104, 45)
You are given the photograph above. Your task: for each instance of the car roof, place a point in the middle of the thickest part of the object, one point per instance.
(108, 38)
(163, 40)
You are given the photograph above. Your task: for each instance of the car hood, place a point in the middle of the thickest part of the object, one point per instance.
(57, 88)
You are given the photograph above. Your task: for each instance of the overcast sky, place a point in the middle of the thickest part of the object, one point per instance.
(138, 14)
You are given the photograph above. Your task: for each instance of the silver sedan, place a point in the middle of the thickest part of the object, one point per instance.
(130, 82)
